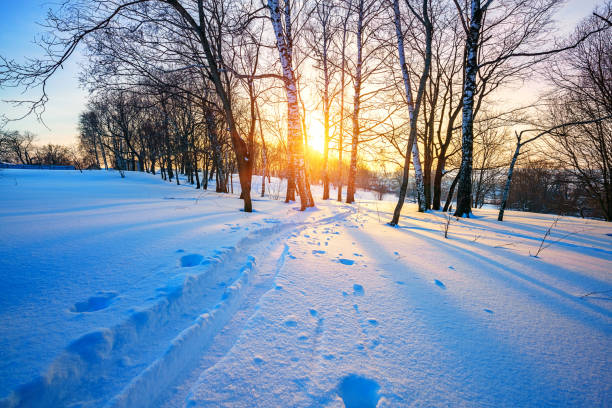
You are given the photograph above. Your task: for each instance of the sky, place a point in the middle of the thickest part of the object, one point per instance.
(66, 99)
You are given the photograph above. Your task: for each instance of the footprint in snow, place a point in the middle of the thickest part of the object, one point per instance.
(317, 252)
(440, 284)
(345, 261)
(313, 312)
(101, 301)
(373, 322)
(188, 261)
(358, 392)
(291, 322)
(488, 311)
(358, 290)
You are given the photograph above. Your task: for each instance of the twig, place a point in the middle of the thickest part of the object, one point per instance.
(546, 235)
(595, 293)
(446, 224)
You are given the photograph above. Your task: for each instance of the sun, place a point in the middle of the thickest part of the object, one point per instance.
(316, 137)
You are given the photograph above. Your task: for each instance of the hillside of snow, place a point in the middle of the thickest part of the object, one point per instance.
(137, 292)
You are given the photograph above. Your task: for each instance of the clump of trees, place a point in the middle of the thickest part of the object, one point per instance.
(20, 147)
(583, 95)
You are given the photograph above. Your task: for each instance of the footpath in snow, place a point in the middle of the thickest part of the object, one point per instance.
(139, 293)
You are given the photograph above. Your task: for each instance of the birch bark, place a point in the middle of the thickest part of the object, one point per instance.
(464, 188)
(295, 138)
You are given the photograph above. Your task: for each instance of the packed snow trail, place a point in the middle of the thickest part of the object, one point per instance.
(331, 307)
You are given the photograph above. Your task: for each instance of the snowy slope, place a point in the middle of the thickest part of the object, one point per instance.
(137, 292)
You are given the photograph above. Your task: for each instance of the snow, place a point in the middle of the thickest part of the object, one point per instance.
(136, 292)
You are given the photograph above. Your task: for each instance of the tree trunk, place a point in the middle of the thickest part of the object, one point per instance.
(326, 108)
(504, 201)
(451, 191)
(350, 189)
(264, 155)
(464, 191)
(295, 140)
(103, 154)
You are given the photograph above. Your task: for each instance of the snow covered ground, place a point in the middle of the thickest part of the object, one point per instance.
(139, 293)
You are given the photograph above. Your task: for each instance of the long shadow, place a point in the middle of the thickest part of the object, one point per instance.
(538, 232)
(570, 276)
(477, 257)
(449, 336)
(559, 232)
(462, 252)
(74, 209)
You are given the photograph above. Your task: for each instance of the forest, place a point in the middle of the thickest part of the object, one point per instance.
(352, 93)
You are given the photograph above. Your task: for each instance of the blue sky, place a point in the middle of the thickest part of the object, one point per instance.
(17, 34)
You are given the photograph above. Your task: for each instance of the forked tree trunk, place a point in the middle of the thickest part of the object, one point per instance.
(413, 108)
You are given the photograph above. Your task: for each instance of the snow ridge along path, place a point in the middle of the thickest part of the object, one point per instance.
(214, 284)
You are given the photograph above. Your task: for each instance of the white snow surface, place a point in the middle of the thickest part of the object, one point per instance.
(136, 292)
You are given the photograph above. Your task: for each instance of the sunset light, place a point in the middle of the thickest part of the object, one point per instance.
(305, 203)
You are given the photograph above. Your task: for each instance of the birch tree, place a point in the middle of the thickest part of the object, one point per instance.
(357, 83)
(343, 46)
(502, 41)
(413, 106)
(295, 139)
(369, 57)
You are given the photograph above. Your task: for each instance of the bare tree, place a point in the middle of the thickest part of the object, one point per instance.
(413, 107)
(498, 37)
(73, 25)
